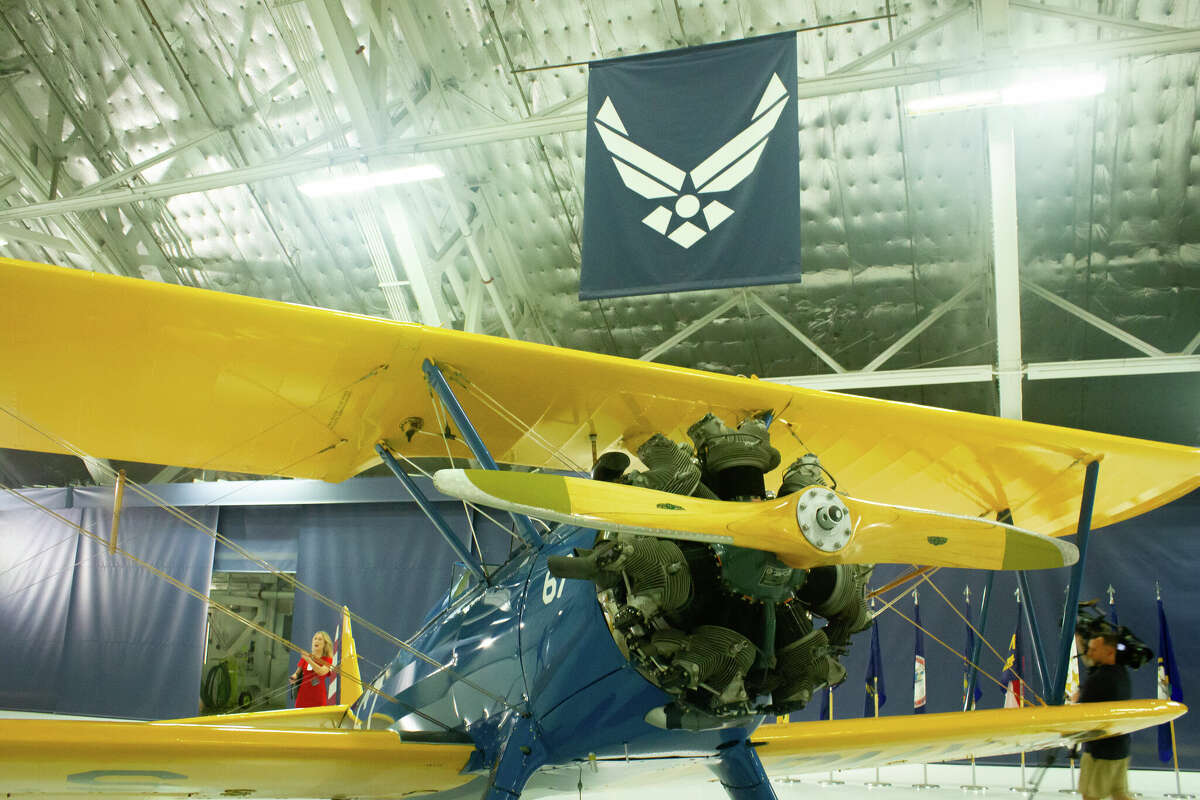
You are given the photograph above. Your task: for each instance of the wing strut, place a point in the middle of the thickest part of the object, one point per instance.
(470, 561)
(1068, 623)
(437, 381)
(741, 772)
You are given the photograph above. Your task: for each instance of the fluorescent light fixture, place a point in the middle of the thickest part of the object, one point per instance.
(3, 242)
(1049, 89)
(344, 184)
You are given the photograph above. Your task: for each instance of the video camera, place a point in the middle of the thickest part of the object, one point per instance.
(1091, 622)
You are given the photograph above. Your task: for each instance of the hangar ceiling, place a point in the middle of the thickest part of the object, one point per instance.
(166, 141)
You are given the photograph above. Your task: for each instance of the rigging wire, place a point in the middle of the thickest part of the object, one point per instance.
(438, 408)
(966, 659)
(290, 579)
(501, 410)
(271, 635)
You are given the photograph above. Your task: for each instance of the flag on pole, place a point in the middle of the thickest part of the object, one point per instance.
(874, 676)
(331, 691)
(1072, 672)
(1169, 687)
(1014, 667)
(345, 664)
(967, 652)
(918, 661)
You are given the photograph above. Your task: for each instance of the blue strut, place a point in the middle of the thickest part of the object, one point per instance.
(469, 560)
(741, 773)
(465, 429)
(1056, 697)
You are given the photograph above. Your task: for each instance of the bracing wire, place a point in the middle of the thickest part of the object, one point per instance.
(290, 579)
(508, 416)
(271, 635)
(438, 408)
(924, 578)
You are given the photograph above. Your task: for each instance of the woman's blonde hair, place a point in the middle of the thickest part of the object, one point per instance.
(328, 645)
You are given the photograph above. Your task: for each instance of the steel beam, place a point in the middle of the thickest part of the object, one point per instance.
(286, 167)
(1162, 43)
(1093, 320)
(15, 233)
(12, 153)
(135, 169)
(1088, 16)
(796, 332)
(339, 44)
(930, 376)
(920, 327)
(901, 41)
(1005, 263)
(655, 352)
(1149, 365)
(1057, 57)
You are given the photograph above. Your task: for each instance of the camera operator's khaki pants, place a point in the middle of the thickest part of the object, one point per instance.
(1103, 777)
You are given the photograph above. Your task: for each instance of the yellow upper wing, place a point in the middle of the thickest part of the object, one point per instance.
(920, 738)
(151, 372)
(73, 758)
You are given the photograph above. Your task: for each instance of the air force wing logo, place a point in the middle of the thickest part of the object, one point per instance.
(692, 170)
(689, 194)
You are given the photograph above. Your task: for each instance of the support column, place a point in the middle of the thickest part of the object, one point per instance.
(1002, 179)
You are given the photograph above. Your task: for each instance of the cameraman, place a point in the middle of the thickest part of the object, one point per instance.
(1103, 770)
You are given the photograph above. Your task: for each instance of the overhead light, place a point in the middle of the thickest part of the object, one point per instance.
(1049, 89)
(344, 184)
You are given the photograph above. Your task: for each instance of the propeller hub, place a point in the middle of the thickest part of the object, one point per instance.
(823, 519)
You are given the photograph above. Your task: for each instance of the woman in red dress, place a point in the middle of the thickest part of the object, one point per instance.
(313, 672)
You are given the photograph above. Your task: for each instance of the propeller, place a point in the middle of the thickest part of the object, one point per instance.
(811, 528)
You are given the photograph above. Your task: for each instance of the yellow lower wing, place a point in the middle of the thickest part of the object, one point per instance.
(796, 528)
(54, 758)
(921, 738)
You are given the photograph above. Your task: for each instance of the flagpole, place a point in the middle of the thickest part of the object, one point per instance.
(1173, 691)
(922, 695)
(973, 787)
(876, 784)
(1071, 768)
(830, 781)
(1018, 663)
(1179, 793)
(969, 686)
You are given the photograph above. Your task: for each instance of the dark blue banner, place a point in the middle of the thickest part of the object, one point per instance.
(693, 169)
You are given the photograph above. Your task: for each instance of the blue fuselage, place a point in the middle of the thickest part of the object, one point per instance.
(533, 644)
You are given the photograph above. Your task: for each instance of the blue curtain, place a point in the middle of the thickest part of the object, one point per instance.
(37, 565)
(135, 643)
(269, 532)
(93, 633)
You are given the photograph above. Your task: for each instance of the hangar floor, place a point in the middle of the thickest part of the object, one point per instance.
(949, 779)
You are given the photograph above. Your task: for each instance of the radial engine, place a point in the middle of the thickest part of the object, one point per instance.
(727, 631)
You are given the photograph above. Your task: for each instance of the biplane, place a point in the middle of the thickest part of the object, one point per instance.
(647, 632)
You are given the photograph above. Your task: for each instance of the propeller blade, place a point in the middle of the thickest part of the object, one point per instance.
(811, 528)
